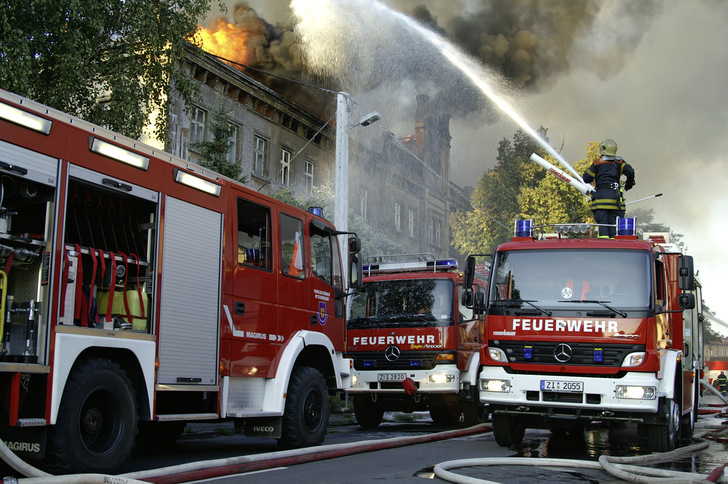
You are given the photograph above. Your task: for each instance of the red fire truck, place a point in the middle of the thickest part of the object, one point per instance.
(414, 346)
(588, 329)
(141, 292)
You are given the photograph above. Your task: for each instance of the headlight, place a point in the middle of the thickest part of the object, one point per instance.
(442, 378)
(635, 392)
(634, 359)
(497, 354)
(354, 379)
(502, 386)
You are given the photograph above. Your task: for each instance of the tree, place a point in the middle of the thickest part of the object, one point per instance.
(214, 152)
(645, 223)
(111, 62)
(496, 197)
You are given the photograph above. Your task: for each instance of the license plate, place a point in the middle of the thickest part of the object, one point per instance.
(562, 386)
(391, 376)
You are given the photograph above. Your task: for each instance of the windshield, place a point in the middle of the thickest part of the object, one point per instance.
(572, 279)
(403, 303)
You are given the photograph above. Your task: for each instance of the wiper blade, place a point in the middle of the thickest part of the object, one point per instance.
(594, 301)
(517, 303)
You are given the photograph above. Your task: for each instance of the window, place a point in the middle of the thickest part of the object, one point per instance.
(253, 235)
(411, 222)
(233, 145)
(363, 203)
(309, 176)
(397, 216)
(197, 124)
(325, 257)
(259, 157)
(285, 167)
(438, 231)
(292, 250)
(430, 231)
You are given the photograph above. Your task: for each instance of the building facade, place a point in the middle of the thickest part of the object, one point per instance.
(399, 187)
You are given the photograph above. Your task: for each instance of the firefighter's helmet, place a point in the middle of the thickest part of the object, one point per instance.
(608, 147)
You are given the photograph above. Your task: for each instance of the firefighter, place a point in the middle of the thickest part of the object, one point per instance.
(606, 173)
(721, 383)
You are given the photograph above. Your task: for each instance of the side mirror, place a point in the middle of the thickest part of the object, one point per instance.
(354, 245)
(685, 273)
(479, 306)
(686, 300)
(468, 297)
(469, 273)
(355, 271)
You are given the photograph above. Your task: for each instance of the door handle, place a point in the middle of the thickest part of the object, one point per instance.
(239, 308)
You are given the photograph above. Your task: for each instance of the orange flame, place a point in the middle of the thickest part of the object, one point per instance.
(225, 40)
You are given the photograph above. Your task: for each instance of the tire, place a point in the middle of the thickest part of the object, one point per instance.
(508, 431)
(663, 436)
(156, 436)
(473, 411)
(368, 414)
(97, 420)
(306, 414)
(444, 414)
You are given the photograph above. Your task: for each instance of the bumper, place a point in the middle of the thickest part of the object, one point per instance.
(600, 398)
(441, 379)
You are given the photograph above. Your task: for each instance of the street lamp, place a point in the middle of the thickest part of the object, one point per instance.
(341, 178)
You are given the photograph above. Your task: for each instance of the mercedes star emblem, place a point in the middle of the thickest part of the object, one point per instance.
(563, 352)
(391, 353)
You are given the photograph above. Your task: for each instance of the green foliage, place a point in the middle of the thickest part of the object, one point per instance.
(646, 223)
(214, 152)
(373, 242)
(111, 62)
(496, 197)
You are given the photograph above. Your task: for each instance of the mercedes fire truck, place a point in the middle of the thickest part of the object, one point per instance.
(141, 292)
(584, 329)
(414, 346)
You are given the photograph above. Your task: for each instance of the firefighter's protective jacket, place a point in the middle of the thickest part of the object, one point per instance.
(607, 171)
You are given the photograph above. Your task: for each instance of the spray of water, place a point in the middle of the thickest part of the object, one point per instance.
(334, 34)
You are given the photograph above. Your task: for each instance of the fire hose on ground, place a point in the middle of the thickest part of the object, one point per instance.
(626, 468)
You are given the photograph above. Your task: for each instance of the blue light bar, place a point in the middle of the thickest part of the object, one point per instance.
(446, 263)
(318, 211)
(598, 355)
(528, 352)
(524, 228)
(626, 226)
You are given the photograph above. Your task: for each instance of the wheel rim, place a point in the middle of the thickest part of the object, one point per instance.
(312, 414)
(674, 424)
(100, 422)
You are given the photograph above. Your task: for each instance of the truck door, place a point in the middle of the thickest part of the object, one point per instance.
(327, 311)
(293, 277)
(255, 338)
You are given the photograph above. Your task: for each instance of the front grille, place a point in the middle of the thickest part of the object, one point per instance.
(408, 360)
(582, 353)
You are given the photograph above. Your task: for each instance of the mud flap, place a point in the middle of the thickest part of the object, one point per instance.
(264, 427)
(26, 443)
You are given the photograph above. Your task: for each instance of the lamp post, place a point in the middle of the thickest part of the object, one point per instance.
(341, 175)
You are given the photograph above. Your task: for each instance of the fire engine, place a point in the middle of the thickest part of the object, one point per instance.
(141, 292)
(414, 346)
(584, 329)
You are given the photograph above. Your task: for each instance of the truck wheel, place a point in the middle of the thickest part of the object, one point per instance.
(662, 437)
(368, 414)
(508, 431)
(473, 410)
(97, 420)
(306, 414)
(444, 414)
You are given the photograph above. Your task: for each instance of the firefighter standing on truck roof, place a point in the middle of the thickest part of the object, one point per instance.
(608, 201)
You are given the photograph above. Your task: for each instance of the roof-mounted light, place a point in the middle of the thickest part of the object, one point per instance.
(118, 153)
(524, 228)
(318, 211)
(196, 182)
(626, 226)
(408, 263)
(25, 119)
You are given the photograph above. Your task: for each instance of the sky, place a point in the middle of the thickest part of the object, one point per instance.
(651, 74)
